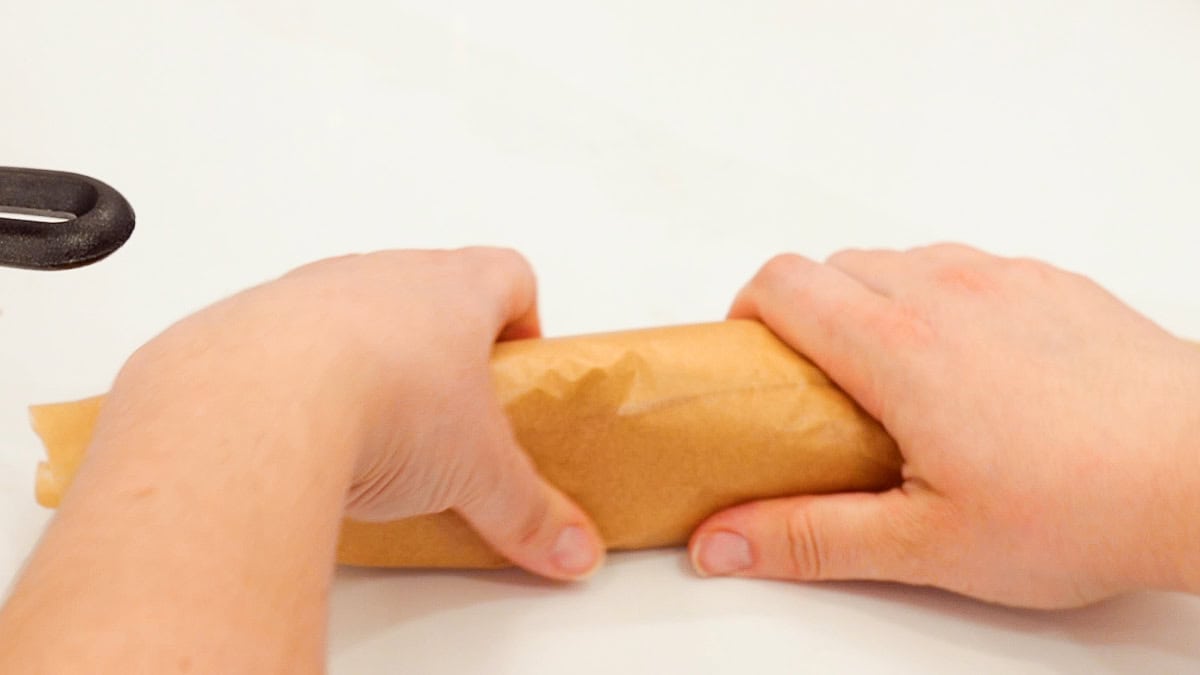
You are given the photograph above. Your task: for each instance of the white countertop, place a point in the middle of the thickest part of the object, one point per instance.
(647, 156)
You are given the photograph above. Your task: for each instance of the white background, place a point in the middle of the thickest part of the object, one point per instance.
(647, 156)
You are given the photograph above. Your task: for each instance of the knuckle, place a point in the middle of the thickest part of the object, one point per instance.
(789, 277)
(784, 268)
(911, 540)
(946, 250)
(784, 273)
(804, 548)
(502, 257)
(908, 535)
(845, 256)
(498, 268)
(1032, 269)
(966, 278)
(519, 267)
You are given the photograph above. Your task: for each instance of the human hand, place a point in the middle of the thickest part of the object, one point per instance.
(391, 351)
(1049, 432)
(199, 532)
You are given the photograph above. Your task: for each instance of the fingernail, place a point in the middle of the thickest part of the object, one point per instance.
(720, 553)
(574, 552)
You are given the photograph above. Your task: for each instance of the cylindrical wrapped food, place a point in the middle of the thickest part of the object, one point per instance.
(650, 431)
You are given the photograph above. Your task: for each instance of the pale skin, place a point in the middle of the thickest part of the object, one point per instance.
(1049, 435)
(199, 534)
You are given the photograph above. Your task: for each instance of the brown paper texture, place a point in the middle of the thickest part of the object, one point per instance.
(650, 431)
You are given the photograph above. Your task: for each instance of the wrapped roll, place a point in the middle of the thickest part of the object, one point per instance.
(650, 431)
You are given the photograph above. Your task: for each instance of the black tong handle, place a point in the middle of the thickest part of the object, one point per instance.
(98, 219)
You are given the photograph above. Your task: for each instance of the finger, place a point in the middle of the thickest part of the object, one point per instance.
(891, 273)
(829, 317)
(947, 252)
(847, 536)
(525, 518)
(506, 280)
(955, 268)
(880, 270)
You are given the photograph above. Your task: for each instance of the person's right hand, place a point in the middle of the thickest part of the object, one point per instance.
(1051, 435)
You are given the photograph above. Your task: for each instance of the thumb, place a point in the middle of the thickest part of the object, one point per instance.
(844, 536)
(525, 518)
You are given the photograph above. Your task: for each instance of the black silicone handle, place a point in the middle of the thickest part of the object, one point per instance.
(99, 220)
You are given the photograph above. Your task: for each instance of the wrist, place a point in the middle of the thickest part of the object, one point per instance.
(204, 382)
(208, 506)
(1175, 499)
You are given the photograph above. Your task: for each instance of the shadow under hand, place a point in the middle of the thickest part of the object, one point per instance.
(366, 601)
(1126, 632)
(458, 621)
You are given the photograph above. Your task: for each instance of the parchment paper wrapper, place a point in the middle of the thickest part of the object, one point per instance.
(650, 431)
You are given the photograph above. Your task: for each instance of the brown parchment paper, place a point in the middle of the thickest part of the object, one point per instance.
(650, 431)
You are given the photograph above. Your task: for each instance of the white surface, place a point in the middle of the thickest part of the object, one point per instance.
(646, 156)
